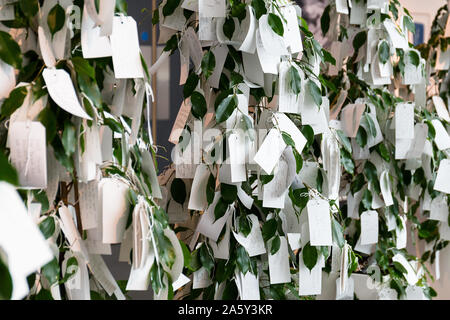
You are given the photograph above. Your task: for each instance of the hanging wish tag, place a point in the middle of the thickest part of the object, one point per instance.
(125, 49)
(62, 91)
(29, 154)
(93, 44)
(319, 220)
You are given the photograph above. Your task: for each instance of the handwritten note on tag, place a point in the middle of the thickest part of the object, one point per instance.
(29, 153)
(62, 91)
(125, 49)
(89, 204)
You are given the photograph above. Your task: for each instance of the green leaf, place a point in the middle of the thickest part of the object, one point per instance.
(164, 246)
(361, 137)
(309, 256)
(171, 44)
(370, 171)
(347, 161)
(413, 57)
(409, 24)
(295, 81)
(287, 139)
(47, 227)
(206, 259)
(228, 27)
(6, 287)
(301, 197)
(338, 233)
(14, 101)
(90, 88)
(370, 124)
(220, 209)
(367, 199)
(275, 245)
(315, 92)
(276, 24)
(345, 141)
(383, 151)
(190, 85)
(327, 57)
(308, 132)
(56, 18)
(210, 188)
(178, 190)
(51, 271)
(269, 228)
(10, 51)
(226, 108)
(298, 161)
(29, 7)
(198, 103)
(359, 40)
(243, 260)
(244, 225)
(7, 173)
(238, 10)
(228, 192)
(384, 52)
(357, 183)
(69, 139)
(260, 8)
(82, 66)
(208, 64)
(170, 7)
(186, 254)
(319, 181)
(325, 20)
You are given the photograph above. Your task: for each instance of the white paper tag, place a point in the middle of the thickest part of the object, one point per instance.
(253, 243)
(279, 264)
(115, 209)
(62, 91)
(29, 153)
(270, 151)
(369, 227)
(319, 222)
(404, 121)
(93, 44)
(442, 182)
(125, 49)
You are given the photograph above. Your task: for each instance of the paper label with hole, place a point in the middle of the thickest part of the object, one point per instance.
(125, 49)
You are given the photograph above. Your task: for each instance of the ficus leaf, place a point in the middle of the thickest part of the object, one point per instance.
(198, 105)
(208, 64)
(295, 81)
(10, 51)
(260, 8)
(276, 24)
(310, 256)
(56, 18)
(226, 108)
(315, 92)
(178, 190)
